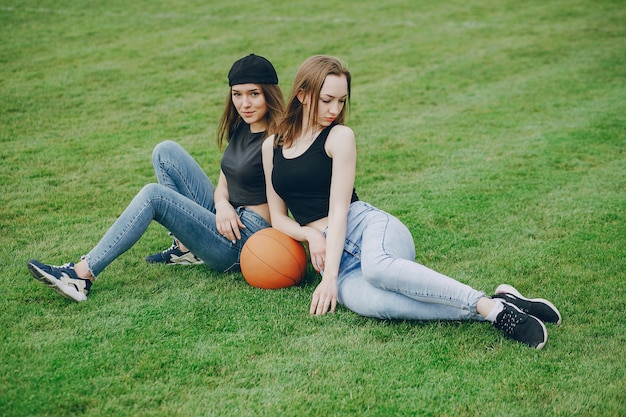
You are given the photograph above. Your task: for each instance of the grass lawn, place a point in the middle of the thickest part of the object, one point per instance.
(496, 130)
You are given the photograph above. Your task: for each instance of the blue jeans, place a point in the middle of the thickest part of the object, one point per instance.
(182, 201)
(379, 278)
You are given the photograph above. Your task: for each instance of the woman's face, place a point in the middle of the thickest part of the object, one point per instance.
(333, 96)
(250, 103)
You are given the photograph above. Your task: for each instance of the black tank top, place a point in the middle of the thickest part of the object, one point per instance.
(242, 165)
(303, 182)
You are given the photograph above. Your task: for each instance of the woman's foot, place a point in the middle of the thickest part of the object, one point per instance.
(63, 279)
(544, 310)
(174, 255)
(521, 326)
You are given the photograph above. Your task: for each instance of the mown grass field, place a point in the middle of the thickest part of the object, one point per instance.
(496, 130)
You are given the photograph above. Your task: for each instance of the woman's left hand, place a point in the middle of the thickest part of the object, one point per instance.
(324, 297)
(317, 248)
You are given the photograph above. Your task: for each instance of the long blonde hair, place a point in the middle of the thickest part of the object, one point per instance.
(231, 119)
(308, 82)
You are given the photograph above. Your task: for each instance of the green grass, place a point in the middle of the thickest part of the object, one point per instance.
(496, 130)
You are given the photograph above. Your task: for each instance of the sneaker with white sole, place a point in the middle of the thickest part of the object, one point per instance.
(544, 310)
(522, 327)
(174, 256)
(63, 279)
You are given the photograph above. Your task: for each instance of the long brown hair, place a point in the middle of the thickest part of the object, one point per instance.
(231, 119)
(309, 81)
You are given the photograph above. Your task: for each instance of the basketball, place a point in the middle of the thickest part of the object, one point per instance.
(270, 259)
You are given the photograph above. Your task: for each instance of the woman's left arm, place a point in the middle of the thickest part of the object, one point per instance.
(341, 147)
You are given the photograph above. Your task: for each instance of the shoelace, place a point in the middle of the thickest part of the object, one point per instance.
(63, 267)
(508, 320)
(171, 248)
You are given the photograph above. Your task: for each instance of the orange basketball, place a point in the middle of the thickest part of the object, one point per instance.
(270, 259)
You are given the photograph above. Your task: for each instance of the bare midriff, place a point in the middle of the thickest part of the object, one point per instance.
(262, 210)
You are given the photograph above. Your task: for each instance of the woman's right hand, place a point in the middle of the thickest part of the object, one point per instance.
(228, 222)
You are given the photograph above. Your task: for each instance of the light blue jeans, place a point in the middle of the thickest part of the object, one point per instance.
(379, 277)
(183, 203)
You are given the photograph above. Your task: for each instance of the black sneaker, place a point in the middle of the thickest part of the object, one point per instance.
(521, 326)
(544, 310)
(174, 256)
(62, 279)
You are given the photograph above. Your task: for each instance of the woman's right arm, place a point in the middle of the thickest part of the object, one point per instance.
(279, 215)
(226, 219)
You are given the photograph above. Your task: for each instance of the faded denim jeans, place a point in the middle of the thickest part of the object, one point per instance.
(183, 203)
(379, 277)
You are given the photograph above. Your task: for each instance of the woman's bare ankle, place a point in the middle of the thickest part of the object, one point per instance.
(182, 247)
(82, 270)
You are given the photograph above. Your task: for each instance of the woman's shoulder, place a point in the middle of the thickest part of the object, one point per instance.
(340, 139)
(268, 143)
(341, 130)
(341, 133)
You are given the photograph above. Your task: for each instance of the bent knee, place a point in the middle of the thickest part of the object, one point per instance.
(167, 147)
(149, 191)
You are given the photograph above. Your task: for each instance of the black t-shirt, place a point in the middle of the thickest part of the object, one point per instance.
(242, 165)
(303, 182)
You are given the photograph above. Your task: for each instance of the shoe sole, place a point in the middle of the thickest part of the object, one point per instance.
(509, 289)
(185, 263)
(177, 261)
(545, 333)
(51, 281)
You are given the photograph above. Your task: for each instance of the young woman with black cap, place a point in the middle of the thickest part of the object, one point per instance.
(212, 221)
(366, 257)
(251, 110)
